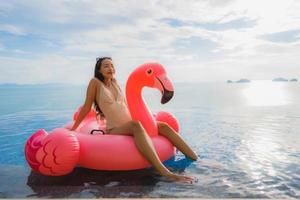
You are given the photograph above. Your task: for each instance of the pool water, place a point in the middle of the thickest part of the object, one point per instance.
(246, 137)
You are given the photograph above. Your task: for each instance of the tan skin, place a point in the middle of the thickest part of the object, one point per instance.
(135, 129)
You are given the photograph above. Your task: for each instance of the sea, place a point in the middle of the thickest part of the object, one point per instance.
(246, 136)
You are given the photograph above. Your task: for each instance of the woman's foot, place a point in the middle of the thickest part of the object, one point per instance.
(180, 178)
(194, 157)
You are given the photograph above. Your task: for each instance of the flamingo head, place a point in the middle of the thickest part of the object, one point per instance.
(154, 75)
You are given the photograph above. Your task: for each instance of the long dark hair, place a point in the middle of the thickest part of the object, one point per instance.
(100, 77)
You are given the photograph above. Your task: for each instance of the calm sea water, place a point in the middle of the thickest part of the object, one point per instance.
(246, 136)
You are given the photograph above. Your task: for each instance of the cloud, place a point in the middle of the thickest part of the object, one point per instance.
(238, 38)
(233, 24)
(12, 29)
(285, 36)
(51, 68)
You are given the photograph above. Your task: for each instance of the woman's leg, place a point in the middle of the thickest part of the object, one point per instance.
(146, 148)
(165, 130)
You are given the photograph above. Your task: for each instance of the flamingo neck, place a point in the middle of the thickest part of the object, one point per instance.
(139, 109)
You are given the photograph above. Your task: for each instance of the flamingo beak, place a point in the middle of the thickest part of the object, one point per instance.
(165, 86)
(167, 95)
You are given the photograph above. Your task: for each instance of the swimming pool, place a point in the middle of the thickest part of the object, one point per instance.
(248, 145)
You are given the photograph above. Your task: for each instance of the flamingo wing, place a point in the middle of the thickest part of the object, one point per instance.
(163, 116)
(52, 154)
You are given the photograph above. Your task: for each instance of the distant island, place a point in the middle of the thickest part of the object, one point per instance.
(243, 80)
(280, 79)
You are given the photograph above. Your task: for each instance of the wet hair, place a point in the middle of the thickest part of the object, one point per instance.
(100, 77)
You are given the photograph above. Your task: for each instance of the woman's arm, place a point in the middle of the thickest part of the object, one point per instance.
(90, 97)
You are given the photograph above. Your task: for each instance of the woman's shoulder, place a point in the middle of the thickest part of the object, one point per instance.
(95, 81)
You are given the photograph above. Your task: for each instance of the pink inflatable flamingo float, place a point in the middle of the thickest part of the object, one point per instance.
(60, 151)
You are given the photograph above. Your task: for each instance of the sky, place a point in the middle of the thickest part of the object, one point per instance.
(195, 40)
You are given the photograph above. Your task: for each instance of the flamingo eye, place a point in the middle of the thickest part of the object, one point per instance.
(149, 71)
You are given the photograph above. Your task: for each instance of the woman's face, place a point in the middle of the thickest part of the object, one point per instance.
(107, 69)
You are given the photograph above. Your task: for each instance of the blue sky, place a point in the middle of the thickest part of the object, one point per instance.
(208, 40)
